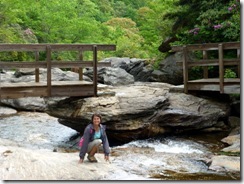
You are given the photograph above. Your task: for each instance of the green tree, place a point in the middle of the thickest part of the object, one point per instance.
(211, 21)
(127, 37)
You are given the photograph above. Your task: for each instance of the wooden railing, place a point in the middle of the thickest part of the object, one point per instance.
(225, 85)
(49, 64)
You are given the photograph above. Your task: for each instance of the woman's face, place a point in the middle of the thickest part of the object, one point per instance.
(96, 120)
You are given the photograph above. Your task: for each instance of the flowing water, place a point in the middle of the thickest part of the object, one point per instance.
(167, 158)
(162, 158)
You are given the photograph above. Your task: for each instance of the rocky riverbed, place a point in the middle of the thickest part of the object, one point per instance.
(34, 146)
(150, 128)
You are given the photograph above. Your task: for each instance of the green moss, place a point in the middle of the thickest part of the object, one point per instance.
(228, 153)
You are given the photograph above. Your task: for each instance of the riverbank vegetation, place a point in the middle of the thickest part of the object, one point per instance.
(137, 27)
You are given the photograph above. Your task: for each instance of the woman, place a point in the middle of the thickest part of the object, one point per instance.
(94, 135)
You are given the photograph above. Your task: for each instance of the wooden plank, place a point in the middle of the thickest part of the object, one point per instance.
(55, 64)
(22, 84)
(185, 69)
(56, 47)
(214, 81)
(228, 89)
(37, 73)
(83, 47)
(49, 71)
(71, 83)
(44, 84)
(221, 69)
(11, 65)
(95, 69)
(20, 92)
(80, 71)
(207, 46)
(45, 89)
(213, 62)
(59, 88)
(11, 93)
(77, 64)
(22, 47)
(238, 66)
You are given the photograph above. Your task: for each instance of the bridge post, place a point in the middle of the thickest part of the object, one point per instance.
(80, 70)
(95, 69)
(185, 69)
(238, 66)
(37, 69)
(221, 69)
(49, 71)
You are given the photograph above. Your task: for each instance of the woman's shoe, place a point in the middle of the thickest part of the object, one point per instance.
(91, 158)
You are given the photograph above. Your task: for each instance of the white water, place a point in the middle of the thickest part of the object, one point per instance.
(168, 145)
(144, 158)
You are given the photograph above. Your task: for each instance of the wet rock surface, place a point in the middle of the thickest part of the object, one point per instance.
(34, 146)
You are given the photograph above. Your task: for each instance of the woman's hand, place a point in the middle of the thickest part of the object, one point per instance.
(106, 158)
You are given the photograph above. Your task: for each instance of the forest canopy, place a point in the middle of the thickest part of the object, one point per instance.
(137, 27)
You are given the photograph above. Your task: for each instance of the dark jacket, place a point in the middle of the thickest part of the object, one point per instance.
(89, 137)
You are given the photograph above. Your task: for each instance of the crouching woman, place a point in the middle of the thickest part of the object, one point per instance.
(94, 135)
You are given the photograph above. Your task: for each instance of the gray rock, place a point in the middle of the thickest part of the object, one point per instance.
(142, 110)
(6, 111)
(28, 103)
(234, 142)
(136, 67)
(117, 76)
(225, 163)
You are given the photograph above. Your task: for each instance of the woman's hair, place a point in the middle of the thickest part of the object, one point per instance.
(97, 115)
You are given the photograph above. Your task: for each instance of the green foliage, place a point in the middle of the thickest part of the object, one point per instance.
(229, 73)
(211, 21)
(137, 27)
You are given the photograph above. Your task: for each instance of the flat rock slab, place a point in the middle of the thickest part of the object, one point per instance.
(6, 111)
(225, 163)
(25, 164)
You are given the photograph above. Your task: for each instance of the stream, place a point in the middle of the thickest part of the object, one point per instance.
(180, 157)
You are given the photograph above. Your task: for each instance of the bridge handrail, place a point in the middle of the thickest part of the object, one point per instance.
(49, 63)
(55, 47)
(205, 62)
(207, 46)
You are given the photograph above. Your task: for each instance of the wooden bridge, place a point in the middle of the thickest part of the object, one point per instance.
(222, 83)
(49, 87)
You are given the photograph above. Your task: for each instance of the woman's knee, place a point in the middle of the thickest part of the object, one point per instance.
(98, 142)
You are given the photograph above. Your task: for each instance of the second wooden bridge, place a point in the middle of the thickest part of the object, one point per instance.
(49, 87)
(220, 83)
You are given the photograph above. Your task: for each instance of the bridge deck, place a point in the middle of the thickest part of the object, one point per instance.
(223, 84)
(231, 85)
(35, 89)
(50, 88)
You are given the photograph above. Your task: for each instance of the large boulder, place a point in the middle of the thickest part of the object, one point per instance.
(143, 110)
(170, 70)
(138, 68)
(111, 76)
